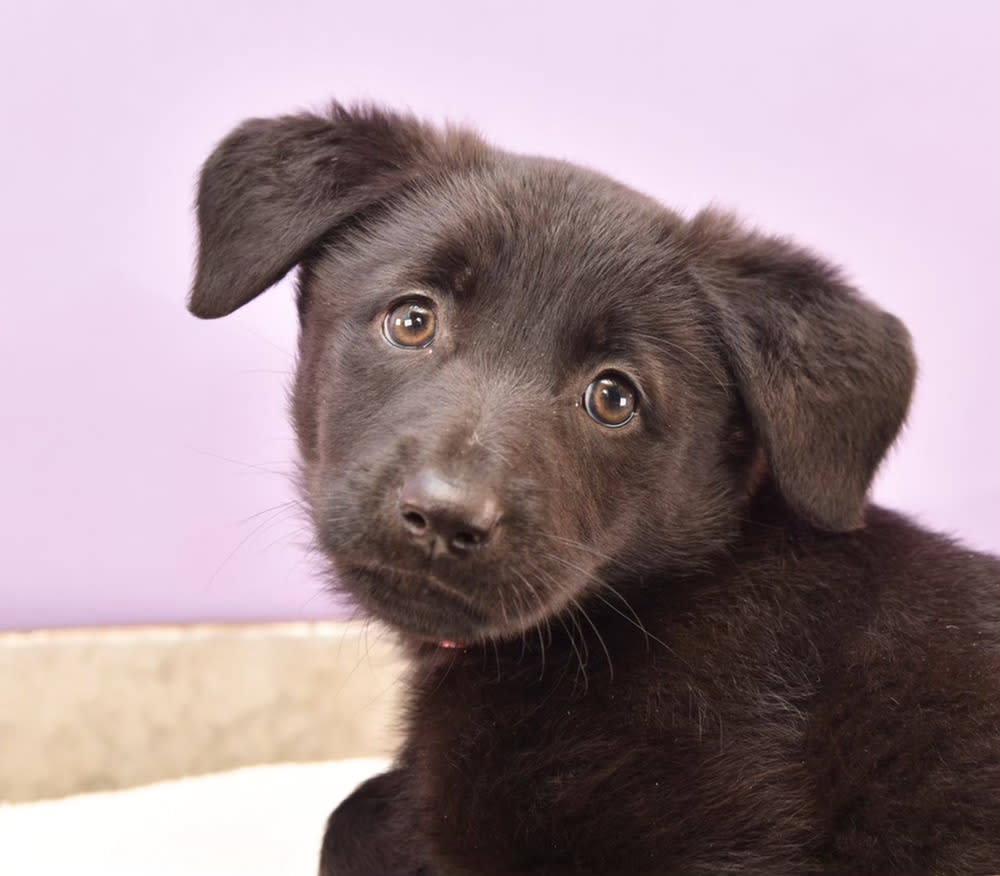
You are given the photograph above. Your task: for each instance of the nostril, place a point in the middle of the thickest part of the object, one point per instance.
(415, 522)
(467, 540)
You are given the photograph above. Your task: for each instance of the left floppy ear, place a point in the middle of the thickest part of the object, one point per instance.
(274, 187)
(826, 376)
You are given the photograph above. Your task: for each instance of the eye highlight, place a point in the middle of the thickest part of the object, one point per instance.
(410, 324)
(611, 400)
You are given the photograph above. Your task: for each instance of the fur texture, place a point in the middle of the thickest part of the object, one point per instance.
(682, 643)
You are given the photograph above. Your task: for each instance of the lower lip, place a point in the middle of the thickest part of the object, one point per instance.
(452, 620)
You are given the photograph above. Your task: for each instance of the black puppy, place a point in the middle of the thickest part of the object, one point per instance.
(605, 470)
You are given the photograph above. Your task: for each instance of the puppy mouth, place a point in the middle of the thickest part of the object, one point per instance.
(416, 603)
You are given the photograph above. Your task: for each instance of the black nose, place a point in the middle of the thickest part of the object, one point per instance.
(447, 517)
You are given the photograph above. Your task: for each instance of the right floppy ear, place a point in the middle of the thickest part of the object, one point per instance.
(274, 187)
(825, 375)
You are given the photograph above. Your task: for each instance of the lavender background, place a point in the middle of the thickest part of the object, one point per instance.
(143, 451)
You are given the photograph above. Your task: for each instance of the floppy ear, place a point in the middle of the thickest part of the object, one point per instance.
(274, 187)
(825, 375)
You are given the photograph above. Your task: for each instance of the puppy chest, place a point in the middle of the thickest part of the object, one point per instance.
(530, 774)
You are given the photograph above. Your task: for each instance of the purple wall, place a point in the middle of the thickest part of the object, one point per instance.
(138, 443)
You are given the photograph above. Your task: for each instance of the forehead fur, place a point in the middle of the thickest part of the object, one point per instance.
(525, 228)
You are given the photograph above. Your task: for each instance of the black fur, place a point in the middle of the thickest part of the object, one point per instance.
(685, 645)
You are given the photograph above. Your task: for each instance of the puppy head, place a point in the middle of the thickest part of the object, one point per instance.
(520, 382)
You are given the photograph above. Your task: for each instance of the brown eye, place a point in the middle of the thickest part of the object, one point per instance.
(611, 400)
(410, 324)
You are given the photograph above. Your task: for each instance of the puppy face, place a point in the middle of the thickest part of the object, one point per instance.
(506, 389)
(522, 384)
